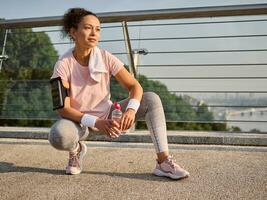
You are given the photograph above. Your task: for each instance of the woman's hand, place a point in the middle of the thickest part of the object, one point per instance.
(110, 127)
(127, 119)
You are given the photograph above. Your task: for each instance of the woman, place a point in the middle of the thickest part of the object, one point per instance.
(86, 71)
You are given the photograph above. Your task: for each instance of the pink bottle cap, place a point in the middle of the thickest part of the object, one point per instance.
(117, 106)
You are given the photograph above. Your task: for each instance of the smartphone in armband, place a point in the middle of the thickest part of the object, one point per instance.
(58, 92)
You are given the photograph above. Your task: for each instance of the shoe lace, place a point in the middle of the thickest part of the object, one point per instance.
(171, 161)
(74, 159)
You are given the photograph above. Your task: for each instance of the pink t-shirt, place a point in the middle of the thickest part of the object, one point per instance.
(87, 95)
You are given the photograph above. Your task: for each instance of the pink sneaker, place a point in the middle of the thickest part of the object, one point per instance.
(75, 160)
(170, 169)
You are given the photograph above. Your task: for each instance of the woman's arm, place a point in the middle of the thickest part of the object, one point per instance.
(135, 92)
(109, 127)
(68, 112)
(130, 83)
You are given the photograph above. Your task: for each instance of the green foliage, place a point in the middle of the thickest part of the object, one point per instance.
(203, 113)
(219, 127)
(235, 129)
(254, 130)
(176, 109)
(31, 57)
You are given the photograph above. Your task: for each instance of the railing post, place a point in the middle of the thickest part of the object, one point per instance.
(3, 55)
(132, 65)
(129, 48)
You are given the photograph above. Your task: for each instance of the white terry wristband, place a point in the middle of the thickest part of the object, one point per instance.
(88, 120)
(134, 104)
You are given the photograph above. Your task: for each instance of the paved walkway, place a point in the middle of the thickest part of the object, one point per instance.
(32, 169)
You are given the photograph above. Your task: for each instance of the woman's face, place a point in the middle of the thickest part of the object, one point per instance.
(87, 34)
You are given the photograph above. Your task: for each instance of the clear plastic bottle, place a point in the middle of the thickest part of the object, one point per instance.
(116, 113)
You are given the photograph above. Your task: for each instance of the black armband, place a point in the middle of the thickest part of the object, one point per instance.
(59, 93)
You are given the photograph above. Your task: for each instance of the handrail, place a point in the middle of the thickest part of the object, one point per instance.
(141, 15)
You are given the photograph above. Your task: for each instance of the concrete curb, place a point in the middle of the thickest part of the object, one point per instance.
(174, 137)
(189, 139)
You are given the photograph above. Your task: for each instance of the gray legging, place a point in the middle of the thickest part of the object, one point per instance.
(65, 134)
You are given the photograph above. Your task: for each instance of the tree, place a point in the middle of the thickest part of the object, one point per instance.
(25, 89)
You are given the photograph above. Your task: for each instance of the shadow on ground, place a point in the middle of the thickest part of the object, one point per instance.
(140, 176)
(6, 167)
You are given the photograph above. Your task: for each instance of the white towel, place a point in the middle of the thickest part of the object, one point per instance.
(96, 65)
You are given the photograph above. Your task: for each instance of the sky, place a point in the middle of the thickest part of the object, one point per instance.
(12, 9)
(17, 9)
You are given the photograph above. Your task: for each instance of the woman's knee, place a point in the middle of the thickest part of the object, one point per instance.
(151, 98)
(64, 134)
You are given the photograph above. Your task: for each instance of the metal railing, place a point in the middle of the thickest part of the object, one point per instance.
(141, 15)
(223, 112)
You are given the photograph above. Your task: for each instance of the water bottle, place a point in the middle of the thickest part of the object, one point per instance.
(116, 113)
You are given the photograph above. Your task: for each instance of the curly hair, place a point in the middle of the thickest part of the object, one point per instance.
(72, 18)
